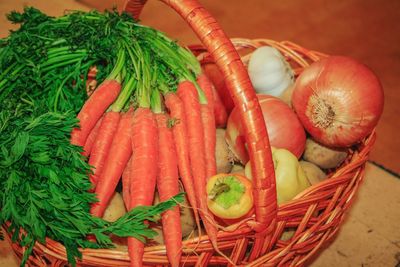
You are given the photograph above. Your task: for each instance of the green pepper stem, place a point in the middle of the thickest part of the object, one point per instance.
(218, 189)
(227, 191)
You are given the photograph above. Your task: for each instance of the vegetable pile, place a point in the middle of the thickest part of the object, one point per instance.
(313, 123)
(284, 128)
(338, 100)
(88, 98)
(93, 102)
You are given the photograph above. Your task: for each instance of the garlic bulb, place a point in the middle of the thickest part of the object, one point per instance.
(269, 72)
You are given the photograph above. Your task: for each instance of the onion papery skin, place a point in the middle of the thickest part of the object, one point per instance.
(338, 100)
(283, 127)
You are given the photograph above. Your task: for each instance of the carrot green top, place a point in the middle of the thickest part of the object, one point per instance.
(44, 67)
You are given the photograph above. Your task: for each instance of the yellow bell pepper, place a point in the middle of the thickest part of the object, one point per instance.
(290, 176)
(229, 195)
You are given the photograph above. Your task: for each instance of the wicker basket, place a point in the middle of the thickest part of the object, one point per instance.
(313, 217)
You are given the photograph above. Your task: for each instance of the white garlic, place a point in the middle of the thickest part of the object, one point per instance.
(269, 72)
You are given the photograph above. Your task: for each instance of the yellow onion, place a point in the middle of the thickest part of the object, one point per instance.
(283, 127)
(338, 100)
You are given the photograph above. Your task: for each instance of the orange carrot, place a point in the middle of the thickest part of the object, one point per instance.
(93, 109)
(221, 116)
(189, 96)
(168, 186)
(143, 173)
(126, 183)
(102, 145)
(217, 78)
(180, 134)
(210, 139)
(87, 148)
(207, 87)
(208, 120)
(118, 156)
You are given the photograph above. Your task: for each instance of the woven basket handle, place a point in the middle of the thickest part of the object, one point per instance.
(238, 82)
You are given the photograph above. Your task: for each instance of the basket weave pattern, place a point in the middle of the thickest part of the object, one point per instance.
(313, 217)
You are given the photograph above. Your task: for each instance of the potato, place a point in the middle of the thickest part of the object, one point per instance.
(159, 238)
(313, 172)
(115, 208)
(113, 212)
(120, 243)
(223, 155)
(188, 223)
(238, 168)
(323, 156)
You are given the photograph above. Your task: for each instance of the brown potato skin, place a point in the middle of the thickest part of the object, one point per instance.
(223, 156)
(322, 156)
(313, 172)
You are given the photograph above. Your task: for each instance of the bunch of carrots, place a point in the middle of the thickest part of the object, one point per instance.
(151, 122)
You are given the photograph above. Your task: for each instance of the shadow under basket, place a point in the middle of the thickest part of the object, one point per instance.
(289, 234)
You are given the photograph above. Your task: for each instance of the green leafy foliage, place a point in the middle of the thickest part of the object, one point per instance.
(43, 70)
